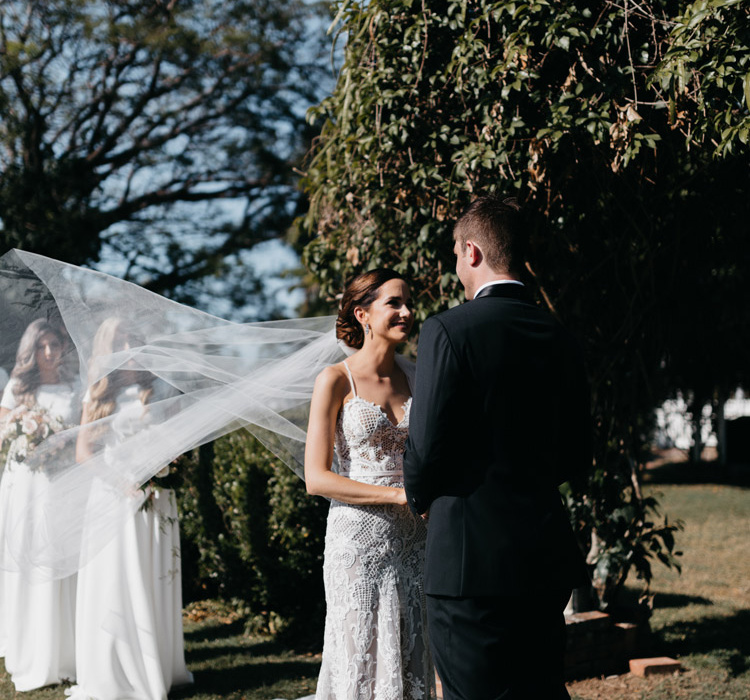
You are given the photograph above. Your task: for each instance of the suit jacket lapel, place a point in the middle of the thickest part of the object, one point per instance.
(507, 291)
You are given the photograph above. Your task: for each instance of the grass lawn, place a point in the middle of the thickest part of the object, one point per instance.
(701, 618)
(225, 661)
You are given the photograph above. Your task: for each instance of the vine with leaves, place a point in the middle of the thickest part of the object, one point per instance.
(568, 108)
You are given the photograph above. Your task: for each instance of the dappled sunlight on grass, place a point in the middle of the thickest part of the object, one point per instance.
(702, 616)
(227, 663)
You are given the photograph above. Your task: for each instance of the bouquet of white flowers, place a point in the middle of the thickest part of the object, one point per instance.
(23, 429)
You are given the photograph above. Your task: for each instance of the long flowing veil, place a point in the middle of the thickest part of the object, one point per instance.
(214, 376)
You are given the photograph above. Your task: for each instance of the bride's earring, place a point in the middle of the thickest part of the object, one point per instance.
(367, 328)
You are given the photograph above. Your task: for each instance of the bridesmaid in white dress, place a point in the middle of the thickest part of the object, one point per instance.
(129, 638)
(37, 616)
(375, 645)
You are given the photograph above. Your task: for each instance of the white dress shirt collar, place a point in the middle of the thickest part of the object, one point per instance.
(489, 284)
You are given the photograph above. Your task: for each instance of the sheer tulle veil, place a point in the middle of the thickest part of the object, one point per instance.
(207, 377)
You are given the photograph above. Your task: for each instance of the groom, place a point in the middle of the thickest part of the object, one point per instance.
(500, 417)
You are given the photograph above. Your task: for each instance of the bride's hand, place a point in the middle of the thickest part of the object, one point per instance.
(400, 497)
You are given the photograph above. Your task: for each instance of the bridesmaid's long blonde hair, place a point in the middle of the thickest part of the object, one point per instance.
(103, 392)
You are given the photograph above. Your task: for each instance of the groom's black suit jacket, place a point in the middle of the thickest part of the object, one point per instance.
(500, 417)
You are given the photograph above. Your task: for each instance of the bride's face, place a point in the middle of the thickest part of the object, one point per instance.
(390, 315)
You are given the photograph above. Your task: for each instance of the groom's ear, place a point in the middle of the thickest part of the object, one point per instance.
(474, 255)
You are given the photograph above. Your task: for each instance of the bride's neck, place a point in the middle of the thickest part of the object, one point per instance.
(378, 357)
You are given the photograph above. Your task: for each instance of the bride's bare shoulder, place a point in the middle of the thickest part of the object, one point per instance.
(333, 380)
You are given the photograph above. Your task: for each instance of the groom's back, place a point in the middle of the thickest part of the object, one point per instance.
(526, 390)
(522, 421)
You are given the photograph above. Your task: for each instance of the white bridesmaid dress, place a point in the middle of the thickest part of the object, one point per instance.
(129, 615)
(129, 637)
(36, 617)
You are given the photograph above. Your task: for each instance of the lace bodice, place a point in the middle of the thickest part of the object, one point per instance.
(369, 446)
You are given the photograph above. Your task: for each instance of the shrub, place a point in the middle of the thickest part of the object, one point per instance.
(251, 532)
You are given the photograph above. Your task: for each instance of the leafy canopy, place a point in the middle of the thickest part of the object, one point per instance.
(634, 181)
(162, 133)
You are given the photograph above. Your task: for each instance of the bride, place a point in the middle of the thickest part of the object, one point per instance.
(375, 643)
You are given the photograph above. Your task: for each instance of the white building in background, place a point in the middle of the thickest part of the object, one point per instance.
(674, 423)
(738, 405)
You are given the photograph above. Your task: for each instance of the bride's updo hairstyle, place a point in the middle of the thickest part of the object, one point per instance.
(361, 291)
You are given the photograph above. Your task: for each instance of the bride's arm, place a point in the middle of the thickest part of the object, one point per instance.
(331, 387)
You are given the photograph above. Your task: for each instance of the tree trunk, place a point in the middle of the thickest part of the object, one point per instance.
(697, 446)
(721, 427)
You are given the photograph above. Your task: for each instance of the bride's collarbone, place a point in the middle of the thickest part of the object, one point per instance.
(381, 389)
(390, 403)
(382, 393)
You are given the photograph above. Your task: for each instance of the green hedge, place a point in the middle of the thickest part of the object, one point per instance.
(252, 534)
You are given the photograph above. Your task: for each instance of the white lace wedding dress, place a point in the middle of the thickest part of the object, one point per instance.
(37, 617)
(375, 645)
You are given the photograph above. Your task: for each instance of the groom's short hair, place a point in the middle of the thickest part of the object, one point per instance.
(494, 225)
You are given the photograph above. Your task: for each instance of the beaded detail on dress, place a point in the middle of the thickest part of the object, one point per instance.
(375, 645)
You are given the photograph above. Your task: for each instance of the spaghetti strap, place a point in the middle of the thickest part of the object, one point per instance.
(351, 379)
